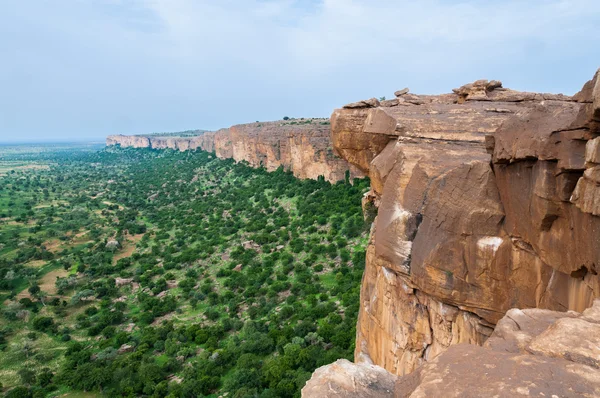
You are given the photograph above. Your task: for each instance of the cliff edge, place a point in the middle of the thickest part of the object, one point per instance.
(302, 146)
(488, 200)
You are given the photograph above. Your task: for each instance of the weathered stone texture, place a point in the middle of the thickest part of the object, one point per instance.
(532, 352)
(488, 200)
(344, 379)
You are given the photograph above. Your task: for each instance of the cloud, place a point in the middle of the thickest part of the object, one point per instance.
(98, 67)
(339, 27)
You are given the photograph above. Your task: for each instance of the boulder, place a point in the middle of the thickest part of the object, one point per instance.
(484, 90)
(125, 348)
(592, 151)
(517, 328)
(123, 281)
(400, 93)
(370, 103)
(532, 352)
(596, 97)
(172, 284)
(344, 379)
(112, 244)
(389, 103)
(573, 339)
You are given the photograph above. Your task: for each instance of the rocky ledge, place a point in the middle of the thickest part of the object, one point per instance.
(488, 200)
(532, 352)
(302, 146)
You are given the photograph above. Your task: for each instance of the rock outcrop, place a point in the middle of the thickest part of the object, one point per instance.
(345, 379)
(302, 146)
(532, 352)
(488, 200)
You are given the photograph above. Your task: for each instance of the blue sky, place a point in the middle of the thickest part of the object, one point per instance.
(83, 69)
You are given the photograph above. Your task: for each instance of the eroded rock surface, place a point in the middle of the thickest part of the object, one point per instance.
(303, 147)
(345, 379)
(488, 200)
(532, 352)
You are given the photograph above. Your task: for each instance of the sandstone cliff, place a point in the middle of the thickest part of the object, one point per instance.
(488, 200)
(302, 146)
(532, 352)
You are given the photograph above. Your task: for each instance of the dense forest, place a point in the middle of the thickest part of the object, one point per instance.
(133, 272)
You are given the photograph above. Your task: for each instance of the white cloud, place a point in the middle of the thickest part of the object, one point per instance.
(166, 64)
(286, 37)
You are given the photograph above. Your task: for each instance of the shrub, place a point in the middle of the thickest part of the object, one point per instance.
(44, 324)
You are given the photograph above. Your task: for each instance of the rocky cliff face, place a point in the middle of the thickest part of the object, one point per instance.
(488, 200)
(302, 146)
(532, 352)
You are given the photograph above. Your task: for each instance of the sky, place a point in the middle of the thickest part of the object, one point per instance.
(84, 69)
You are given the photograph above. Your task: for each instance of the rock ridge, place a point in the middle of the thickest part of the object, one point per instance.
(302, 146)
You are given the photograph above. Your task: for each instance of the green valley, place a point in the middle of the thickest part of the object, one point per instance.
(133, 272)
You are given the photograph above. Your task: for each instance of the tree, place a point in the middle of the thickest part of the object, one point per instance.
(27, 376)
(44, 324)
(19, 392)
(82, 295)
(45, 377)
(33, 290)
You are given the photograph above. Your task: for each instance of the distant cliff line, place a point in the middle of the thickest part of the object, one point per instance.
(301, 146)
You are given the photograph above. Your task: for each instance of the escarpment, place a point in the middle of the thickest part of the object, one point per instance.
(302, 146)
(488, 200)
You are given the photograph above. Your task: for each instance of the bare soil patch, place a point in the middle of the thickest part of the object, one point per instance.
(128, 247)
(53, 245)
(36, 264)
(47, 283)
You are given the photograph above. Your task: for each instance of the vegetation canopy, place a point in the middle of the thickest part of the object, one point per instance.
(133, 272)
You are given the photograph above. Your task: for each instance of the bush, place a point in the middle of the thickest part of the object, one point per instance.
(19, 392)
(44, 324)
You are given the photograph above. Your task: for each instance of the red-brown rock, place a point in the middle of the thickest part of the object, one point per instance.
(462, 236)
(532, 352)
(302, 146)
